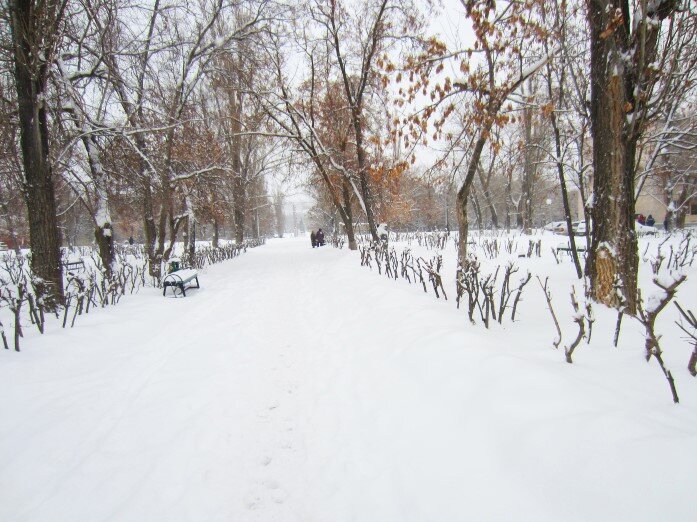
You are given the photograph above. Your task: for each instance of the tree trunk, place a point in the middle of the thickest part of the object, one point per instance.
(613, 257)
(103, 233)
(216, 233)
(363, 176)
(463, 197)
(462, 227)
(150, 231)
(11, 227)
(477, 208)
(487, 195)
(192, 238)
(31, 71)
(509, 199)
(565, 194)
(346, 193)
(238, 199)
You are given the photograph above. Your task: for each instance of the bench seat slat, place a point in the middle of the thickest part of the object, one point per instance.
(185, 274)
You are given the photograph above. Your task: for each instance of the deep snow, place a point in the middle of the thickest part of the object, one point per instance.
(296, 385)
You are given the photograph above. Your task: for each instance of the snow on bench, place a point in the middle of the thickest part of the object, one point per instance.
(75, 264)
(179, 281)
(567, 248)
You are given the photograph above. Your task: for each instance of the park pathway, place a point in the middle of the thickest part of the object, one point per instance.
(298, 386)
(243, 401)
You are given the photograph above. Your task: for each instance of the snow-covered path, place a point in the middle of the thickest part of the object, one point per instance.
(276, 392)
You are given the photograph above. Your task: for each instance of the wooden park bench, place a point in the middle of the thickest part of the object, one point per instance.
(180, 281)
(567, 248)
(71, 266)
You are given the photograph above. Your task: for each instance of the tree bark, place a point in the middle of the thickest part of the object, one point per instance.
(613, 258)
(346, 193)
(525, 205)
(463, 197)
(216, 233)
(31, 52)
(103, 232)
(487, 193)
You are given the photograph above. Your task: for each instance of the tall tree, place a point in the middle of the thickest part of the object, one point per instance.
(493, 69)
(623, 46)
(360, 38)
(36, 33)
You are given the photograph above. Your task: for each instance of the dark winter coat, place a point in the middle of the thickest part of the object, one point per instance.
(313, 239)
(320, 238)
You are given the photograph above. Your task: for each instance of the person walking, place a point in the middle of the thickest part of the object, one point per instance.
(650, 221)
(313, 238)
(320, 238)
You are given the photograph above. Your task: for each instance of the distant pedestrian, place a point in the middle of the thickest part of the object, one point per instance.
(650, 221)
(319, 238)
(313, 238)
(641, 219)
(130, 240)
(666, 222)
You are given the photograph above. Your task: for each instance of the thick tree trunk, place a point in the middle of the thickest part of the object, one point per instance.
(613, 258)
(30, 80)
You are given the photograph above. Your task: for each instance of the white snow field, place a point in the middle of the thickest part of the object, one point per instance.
(296, 385)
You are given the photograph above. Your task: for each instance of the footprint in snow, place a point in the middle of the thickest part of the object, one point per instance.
(271, 484)
(252, 501)
(278, 494)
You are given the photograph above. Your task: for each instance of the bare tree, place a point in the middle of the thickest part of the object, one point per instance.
(623, 46)
(358, 38)
(36, 29)
(504, 34)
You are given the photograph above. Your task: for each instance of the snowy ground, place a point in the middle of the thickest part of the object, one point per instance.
(296, 385)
